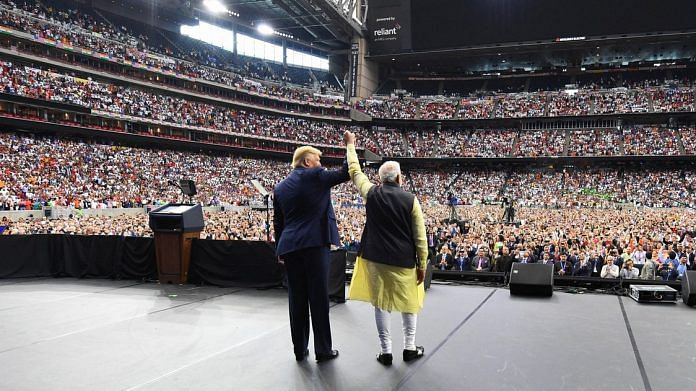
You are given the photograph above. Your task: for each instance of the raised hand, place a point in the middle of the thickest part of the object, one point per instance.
(349, 137)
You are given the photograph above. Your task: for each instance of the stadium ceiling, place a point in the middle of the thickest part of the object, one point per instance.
(322, 24)
(535, 56)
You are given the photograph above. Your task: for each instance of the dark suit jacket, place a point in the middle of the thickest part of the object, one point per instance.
(303, 216)
(668, 275)
(503, 264)
(567, 270)
(582, 271)
(598, 263)
(485, 264)
(463, 264)
(438, 259)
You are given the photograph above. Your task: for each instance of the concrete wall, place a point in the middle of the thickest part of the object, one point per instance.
(368, 72)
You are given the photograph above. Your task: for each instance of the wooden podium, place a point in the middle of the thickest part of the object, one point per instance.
(175, 226)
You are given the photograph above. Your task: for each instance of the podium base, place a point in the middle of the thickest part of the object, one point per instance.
(173, 250)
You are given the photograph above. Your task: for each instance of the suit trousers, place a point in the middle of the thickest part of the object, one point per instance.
(308, 279)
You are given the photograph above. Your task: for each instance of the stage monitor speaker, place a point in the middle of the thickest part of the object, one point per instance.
(689, 287)
(531, 279)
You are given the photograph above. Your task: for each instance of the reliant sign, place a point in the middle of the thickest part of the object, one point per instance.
(389, 24)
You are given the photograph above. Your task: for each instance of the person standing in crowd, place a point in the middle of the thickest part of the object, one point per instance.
(649, 270)
(305, 227)
(683, 266)
(595, 263)
(390, 267)
(638, 256)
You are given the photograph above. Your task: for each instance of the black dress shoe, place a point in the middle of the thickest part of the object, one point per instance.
(385, 358)
(410, 355)
(327, 357)
(302, 356)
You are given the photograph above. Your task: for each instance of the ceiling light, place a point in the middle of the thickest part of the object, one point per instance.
(214, 6)
(265, 29)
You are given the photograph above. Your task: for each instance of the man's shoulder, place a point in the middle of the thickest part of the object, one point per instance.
(306, 172)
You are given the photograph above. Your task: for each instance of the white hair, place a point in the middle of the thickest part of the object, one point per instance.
(389, 171)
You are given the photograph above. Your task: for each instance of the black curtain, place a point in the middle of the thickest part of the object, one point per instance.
(88, 256)
(234, 263)
(215, 262)
(77, 256)
(138, 259)
(26, 256)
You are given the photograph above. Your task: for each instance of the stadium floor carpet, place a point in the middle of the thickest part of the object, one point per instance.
(68, 334)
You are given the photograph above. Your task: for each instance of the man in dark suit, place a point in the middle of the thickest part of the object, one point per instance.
(462, 262)
(525, 257)
(480, 263)
(596, 263)
(546, 259)
(305, 226)
(574, 258)
(582, 267)
(443, 260)
(503, 263)
(563, 267)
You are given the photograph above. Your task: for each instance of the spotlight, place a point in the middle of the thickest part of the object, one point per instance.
(265, 29)
(214, 6)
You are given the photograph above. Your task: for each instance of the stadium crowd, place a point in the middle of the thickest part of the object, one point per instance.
(39, 84)
(595, 142)
(578, 241)
(638, 97)
(39, 171)
(76, 28)
(497, 143)
(585, 214)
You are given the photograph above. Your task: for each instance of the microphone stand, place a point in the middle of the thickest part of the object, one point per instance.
(267, 198)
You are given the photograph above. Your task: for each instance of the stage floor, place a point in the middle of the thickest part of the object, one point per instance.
(67, 334)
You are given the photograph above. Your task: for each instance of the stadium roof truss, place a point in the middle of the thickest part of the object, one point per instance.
(328, 24)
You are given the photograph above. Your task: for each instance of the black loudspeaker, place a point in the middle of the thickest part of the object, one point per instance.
(689, 287)
(532, 279)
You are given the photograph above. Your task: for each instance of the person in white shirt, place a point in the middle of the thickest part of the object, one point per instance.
(609, 270)
(638, 256)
